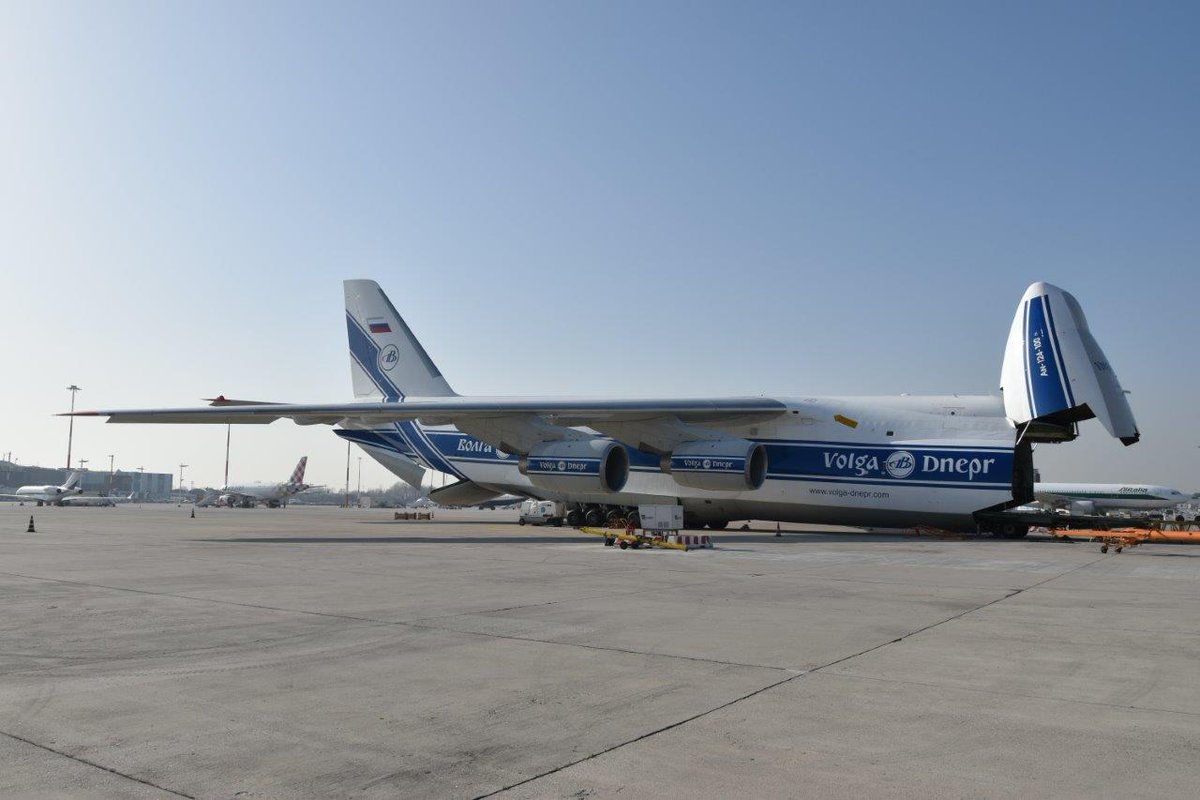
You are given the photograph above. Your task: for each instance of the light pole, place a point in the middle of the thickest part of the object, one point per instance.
(181, 466)
(110, 472)
(360, 479)
(347, 473)
(228, 430)
(71, 427)
(141, 481)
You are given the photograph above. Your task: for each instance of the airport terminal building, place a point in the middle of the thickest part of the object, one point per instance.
(143, 485)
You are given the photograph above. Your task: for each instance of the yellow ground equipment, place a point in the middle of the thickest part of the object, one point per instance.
(1120, 538)
(624, 538)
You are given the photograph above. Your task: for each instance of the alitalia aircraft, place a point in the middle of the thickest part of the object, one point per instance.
(1088, 498)
(941, 460)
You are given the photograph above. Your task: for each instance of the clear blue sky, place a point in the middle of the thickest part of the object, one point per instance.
(618, 197)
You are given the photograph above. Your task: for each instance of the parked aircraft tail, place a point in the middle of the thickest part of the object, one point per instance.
(1055, 372)
(73, 480)
(386, 360)
(298, 473)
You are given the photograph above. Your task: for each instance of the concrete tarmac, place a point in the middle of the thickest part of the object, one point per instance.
(312, 652)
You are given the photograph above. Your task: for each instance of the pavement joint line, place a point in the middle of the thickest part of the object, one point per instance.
(789, 679)
(399, 623)
(998, 693)
(95, 765)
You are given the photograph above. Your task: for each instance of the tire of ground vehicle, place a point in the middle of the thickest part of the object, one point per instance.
(623, 544)
(1010, 530)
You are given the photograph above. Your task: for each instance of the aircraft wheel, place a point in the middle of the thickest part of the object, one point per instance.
(719, 525)
(594, 518)
(1103, 548)
(1011, 530)
(1119, 548)
(574, 517)
(520, 522)
(613, 518)
(634, 519)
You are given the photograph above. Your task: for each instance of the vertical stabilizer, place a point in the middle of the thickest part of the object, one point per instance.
(386, 360)
(73, 480)
(298, 473)
(1054, 370)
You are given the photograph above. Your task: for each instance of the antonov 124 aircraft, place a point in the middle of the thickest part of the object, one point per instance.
(948, 461)
(54, 495)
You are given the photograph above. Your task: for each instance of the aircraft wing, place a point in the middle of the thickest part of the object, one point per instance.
(517, 422)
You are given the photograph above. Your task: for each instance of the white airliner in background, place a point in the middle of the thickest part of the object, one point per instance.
(951, 461)
(272, 494)
(97, 499)
(55, 495)
(1088, 498)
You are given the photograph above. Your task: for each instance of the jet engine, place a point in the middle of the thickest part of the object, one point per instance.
(578, 465)
(733, 465)
(1082, 507)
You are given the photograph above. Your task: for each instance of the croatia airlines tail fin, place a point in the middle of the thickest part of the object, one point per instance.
(386, 360)
(1055, 372)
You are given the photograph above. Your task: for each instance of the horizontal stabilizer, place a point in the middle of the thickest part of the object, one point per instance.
(1054, 370)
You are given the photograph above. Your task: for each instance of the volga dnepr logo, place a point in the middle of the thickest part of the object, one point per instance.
(900, 464)
(389, 357)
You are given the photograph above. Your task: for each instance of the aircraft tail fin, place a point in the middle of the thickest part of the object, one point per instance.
(298, 473)
(386, 361)
(73, 480)
(1054, 370)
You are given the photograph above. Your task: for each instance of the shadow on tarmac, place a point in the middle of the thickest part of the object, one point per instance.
(723, 540)
(394, 540)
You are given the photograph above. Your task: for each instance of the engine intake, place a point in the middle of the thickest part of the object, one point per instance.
(579, 465)
(733, 465)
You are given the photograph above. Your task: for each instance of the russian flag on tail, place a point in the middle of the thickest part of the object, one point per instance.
(378, 325)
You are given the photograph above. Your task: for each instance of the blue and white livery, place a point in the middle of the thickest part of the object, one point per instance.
(868, 461)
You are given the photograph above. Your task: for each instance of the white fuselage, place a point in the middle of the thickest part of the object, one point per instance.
(1104, 496)
(870, 461)
(48, 494)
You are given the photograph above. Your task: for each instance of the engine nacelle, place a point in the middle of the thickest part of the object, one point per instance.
(732, 465)
(1082, 507)
(578, 465)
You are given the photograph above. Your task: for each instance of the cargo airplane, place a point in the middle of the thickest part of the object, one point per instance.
(950, 461)
(55, 495)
